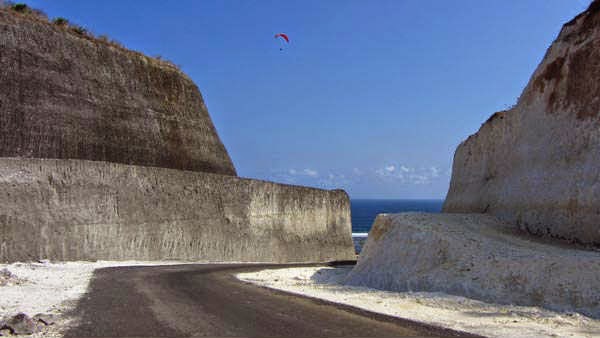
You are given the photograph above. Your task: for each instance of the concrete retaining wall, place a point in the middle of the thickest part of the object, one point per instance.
(88, 210)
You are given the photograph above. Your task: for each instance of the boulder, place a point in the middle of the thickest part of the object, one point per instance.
(20, 324)
(45, 318)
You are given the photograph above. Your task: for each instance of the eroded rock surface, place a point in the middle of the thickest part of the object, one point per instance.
(87, 210)
(108, 154)
(479, 257)
(538, 164)
(70, 97)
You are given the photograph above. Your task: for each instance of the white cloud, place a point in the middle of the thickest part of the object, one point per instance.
(306, 172)
(419, 179)
(387, 174)
(310, 172)
(408, 175)
(334, 180)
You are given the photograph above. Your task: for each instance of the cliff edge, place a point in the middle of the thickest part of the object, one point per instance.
(536, 165)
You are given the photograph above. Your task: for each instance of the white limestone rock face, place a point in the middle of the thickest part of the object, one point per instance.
(538, 164)
(477, 256)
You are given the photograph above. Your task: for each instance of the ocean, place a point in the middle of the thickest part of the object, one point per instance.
(364, 211)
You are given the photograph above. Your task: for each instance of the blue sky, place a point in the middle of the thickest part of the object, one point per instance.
(369, 96)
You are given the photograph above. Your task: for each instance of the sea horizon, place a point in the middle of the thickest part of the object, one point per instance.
(365, 210)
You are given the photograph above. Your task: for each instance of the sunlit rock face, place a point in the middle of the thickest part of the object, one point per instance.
(108, 154)
(90, 210)
(537, 165)
(479, 257)
(68, 96)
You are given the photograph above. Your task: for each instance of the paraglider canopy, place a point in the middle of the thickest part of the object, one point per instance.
(283, 36)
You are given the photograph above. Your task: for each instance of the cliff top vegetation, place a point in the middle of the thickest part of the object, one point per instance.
(27, 12)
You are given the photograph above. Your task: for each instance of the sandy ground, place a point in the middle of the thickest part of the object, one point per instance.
(51, 288)
(458, 313)
(54, 288)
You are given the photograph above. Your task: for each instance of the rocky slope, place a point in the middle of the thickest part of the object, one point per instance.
(479, 257)
(67, 96)
(537, 165)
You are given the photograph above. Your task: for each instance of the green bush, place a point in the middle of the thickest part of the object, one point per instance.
(79, 30)
(21, 8)
(60, 21)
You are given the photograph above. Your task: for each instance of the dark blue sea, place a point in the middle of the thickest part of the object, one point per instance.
(365, 211)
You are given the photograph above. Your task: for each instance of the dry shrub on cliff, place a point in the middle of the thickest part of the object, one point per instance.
(21, 8)
(24, 9)
(79, 30)
(60, 22)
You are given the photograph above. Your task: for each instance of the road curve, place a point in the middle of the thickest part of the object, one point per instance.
(207, 300)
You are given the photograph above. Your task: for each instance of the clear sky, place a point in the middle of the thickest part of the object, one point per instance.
(369, 96)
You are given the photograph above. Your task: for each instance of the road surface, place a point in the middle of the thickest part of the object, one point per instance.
(207, 300)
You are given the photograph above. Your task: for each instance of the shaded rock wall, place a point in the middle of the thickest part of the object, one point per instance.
(66, 96)
(85, 210)
(479, 257)
(537, 165)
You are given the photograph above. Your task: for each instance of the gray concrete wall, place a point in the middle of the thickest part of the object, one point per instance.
(63, 95)
(87, 210)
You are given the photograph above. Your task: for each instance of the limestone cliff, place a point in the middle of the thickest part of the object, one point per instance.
(108, 154)
(538, 164)
(68, 96)
(479, 257)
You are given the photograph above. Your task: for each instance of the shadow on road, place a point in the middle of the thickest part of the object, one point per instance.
(207, 300)
(110, 304)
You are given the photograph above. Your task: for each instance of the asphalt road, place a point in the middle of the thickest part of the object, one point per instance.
(207, 300)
